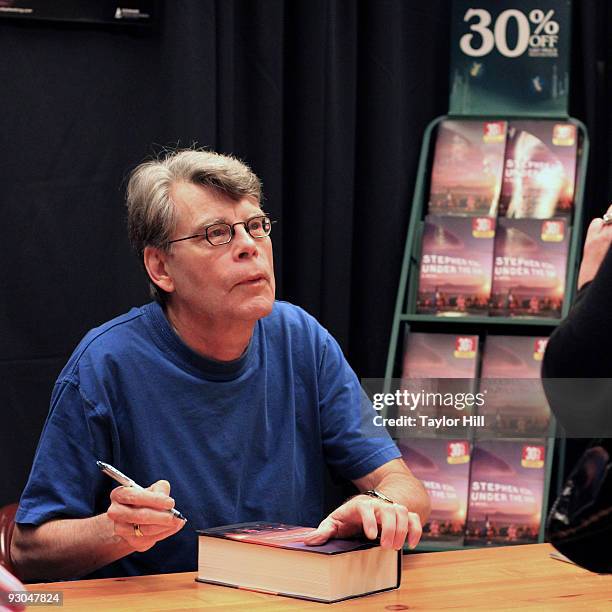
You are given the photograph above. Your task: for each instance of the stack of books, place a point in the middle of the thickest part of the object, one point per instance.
(486, 485)
(441, 364)
(496, 236)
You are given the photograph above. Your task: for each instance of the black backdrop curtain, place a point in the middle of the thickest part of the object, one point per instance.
(327, 100)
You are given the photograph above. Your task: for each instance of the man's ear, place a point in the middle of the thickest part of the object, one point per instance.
(155, 263)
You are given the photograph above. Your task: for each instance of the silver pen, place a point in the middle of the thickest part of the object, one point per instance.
(126, 481)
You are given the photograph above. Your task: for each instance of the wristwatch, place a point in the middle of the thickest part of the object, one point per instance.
(378, 495)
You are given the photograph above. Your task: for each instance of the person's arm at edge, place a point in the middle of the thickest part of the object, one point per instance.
(570, 351)
(575, 378)
(362, 513)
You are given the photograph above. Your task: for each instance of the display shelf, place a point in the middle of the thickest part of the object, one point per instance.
(475, 320)
(408, 282)
(405, 315)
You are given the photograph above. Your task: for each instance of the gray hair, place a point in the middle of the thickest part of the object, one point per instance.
(151, 213)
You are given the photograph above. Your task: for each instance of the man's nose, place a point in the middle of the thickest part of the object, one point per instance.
(244, 243)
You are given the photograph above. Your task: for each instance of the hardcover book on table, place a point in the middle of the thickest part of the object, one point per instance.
(529, 267)
(516, 404)
(273, 558)
(506, 492)
(443, 466)
(467, 169)
(539, 170)
(456, 264)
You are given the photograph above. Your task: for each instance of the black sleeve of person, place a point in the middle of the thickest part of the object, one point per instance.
(577, 367)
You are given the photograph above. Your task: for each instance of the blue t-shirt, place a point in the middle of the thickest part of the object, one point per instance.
(238, 441)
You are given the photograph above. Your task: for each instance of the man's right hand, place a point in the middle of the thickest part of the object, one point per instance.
(62, 549)
(146, 508)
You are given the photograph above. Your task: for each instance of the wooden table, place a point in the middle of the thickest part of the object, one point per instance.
(482, 579)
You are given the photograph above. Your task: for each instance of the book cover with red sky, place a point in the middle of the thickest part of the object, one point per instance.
(443, 467)
(456, 265)
(467, 169)
(510, 374)
(529, 267)
(506, 492)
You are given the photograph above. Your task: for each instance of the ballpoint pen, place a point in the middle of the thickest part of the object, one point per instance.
(126, 481)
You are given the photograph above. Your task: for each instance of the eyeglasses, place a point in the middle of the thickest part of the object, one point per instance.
(222, 233)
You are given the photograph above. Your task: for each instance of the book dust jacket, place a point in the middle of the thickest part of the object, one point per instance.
(529, 267)
(443, 467)
(516, 404)
(438, 364)
(467, 170)
(506, 492)
(456, 265)
(539, 170)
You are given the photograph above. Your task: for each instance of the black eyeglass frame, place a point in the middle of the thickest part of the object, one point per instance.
(232, 231)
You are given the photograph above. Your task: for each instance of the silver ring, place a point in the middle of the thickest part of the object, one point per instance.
(137, 531)
(607, 218)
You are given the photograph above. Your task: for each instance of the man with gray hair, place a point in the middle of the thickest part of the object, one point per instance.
(236, 400)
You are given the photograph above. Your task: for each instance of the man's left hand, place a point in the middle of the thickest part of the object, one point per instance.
(365, 514)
